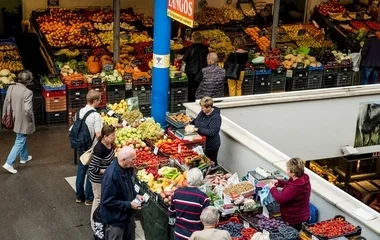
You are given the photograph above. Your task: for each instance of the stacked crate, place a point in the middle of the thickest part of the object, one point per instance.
(330, 76)
(115, 92)
(55, 106)
(315, 78)
(345, 76)
(76, 99)
(39, 108)
(247, 84)
(177, 96)
(144, 95)
(99, 87)
(299, 80)
(262, 81)
(278, 81)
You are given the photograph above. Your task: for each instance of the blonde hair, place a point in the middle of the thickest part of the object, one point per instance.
(93, 95)
(206, 102)
(26, 25)
(239, 43)
(196, 37)
(296, 166)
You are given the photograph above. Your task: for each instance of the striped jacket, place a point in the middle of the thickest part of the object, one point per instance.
(101, 159)
(186, 207)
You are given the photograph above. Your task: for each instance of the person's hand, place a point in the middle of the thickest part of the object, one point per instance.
(195, 129)
(275, 181)
(141, 198)
(272, 184)
(135, 206)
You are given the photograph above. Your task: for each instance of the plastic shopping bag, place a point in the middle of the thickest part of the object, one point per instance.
(356, 58)
(265, 196)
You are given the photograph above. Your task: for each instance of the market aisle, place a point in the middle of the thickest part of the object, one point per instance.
(37, 203)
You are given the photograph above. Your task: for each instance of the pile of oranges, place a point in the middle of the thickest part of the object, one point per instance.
(262, 42)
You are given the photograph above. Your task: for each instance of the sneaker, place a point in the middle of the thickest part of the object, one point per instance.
(78, 200)
(27, 160)
(88, 203)
(9, 168)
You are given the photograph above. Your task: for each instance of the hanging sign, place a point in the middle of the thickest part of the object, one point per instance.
(161, 61)
(53, 3)
(182, 11)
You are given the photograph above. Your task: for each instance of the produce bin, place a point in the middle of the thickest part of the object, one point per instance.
(38, 109)
(76, 98)
(315, 78)
(262, 82)
(178, 93)
(330, 76)
(173, 122)
(176, 107)
(55, 104)
(278, 81)
(144, 96)
(299, 80)
(146, 110)
(115, 93)
(55, 117)
(247, 85)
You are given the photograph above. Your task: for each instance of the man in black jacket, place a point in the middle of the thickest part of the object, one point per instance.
(370, 59)
(118, 193)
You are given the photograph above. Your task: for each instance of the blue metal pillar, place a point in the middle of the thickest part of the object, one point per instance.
(161, 61)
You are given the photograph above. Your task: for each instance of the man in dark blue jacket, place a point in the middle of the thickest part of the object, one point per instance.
(118, 193)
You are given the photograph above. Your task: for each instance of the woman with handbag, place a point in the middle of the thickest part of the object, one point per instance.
(235, 67)
(103, 155)
(18, 115)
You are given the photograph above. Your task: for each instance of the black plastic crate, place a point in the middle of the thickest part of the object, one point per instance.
(297, 84)
(278, 83)
(247, 86)
(344, 79)
(262, 83)
(144, 96)
(56, 118)
(178, 84)
(178, 94)
(38, 109)
(345, 69)
(330, 80)
(115, 97)
(128, 93)
(356, 76)
(146, 110)
(115, 88)
(76, 94)
(141, 87)
(314, 81)
(176, 107)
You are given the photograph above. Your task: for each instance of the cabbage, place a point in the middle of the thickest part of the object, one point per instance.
(5, 73)
(102, 74)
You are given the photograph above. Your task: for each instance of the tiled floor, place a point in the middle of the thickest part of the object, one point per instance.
(139, 231)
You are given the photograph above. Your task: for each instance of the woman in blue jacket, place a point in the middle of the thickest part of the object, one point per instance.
(208, 123)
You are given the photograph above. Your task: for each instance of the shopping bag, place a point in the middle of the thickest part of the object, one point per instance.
(232, 69)
(7, 120)
(86, 157)
(265, 196)
(356, 58)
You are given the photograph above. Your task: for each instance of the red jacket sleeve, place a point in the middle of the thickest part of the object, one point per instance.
(286, 195)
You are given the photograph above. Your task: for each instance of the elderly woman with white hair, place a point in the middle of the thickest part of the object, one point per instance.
(209, 218)
(19, 103)
(187, 205)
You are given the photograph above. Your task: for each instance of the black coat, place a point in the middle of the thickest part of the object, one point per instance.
(195, 58)
(370, 53)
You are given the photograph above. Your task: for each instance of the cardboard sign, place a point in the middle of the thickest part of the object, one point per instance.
(53, 3)
(182, 11)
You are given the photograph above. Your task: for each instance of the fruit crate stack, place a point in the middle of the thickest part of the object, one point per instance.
(315, 78)
(144, 95)
(299, 79)
(116, 91)
(262, 81)
(345, 73)
(39, 109)
(54, 94)
(101, 88)
(330, 76)
(356, 78)
(177, 96)
(278, 81)
(76, 99)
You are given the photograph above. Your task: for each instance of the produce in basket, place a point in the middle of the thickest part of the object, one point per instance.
(238, 189)
(181, 117)
(234, 228)
(6, 78)
(217, 179)
(109, 120)
(150, 129)
(332, 228)
(51, 81)
(119, 108)
(132, 116)
(268, 224)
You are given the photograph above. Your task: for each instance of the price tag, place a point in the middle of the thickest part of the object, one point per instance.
(124, 123)
(146, 197)
(110, 113)
(265, 212)
(314, 237)
(265, 232)
(137, 188)
(246, 224)
(155, 151)
(179, 149)
(301, 32)
(289, 73)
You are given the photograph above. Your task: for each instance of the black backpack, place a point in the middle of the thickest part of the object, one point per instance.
(80, 137)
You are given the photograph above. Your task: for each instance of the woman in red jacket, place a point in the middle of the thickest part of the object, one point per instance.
(295, 195)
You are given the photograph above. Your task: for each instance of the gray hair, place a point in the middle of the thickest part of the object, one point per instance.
(194, 177)
(24, 77)
(210, 216)
(212, 58)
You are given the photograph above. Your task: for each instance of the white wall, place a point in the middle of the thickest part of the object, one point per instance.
(310, 129)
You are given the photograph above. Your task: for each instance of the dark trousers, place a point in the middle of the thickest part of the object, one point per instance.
(191, 87)
(83, 185)
(212, 155)
(121, 233)
(369, 75)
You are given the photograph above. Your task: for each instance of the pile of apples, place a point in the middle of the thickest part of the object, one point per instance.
(326, 8)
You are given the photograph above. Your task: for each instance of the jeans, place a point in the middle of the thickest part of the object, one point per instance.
(368, 73)
(20, 147)
(83, 192)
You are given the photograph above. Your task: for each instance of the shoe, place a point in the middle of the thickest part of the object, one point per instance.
(78, 200)
(9, 168)
(27, 160)
(88, 203)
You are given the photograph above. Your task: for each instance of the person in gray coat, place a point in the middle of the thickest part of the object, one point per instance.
(21, 99)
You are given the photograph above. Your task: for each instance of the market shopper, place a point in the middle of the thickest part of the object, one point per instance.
(19, 99)
(294, 198)
(209, 218)
(195, 57)
(240, 56)
(211, 79)
(187, 205)
(94, 124)
(370, 59)
(103, 155)
(208, 123)
(118, 193)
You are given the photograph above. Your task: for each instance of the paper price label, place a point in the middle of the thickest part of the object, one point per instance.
(146, 197)
(110, 113)
(246, 224)
(137, 188)
(226, 201)
(314, 237)
(179, 149)
(155, 151)
(124, 123)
